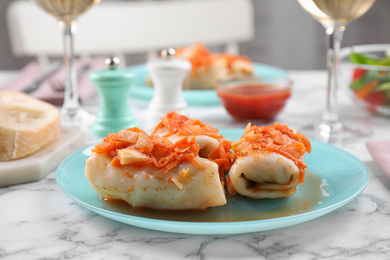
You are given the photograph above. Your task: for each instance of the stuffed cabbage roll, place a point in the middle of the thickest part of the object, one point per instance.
(268, 162)
(212, 145)
(153, 172)
(210, 68)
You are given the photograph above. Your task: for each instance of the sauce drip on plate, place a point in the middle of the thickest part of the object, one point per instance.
(310, 194)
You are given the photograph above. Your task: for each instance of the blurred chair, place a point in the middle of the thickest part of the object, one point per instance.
(129, 27)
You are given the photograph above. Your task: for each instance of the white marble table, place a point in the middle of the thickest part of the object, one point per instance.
(38, 221)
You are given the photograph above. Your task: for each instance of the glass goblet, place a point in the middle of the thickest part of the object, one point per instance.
(334, 15)
(66, 12)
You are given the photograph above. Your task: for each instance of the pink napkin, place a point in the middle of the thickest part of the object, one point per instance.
(46, 92)
(380, 151)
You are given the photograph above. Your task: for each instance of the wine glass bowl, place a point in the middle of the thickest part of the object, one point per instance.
(66, 12)
(334, 15)
(364, 76)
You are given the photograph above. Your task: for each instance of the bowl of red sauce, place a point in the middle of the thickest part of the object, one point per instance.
(258, 98)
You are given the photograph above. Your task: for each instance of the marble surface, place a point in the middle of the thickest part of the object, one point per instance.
(38, 221)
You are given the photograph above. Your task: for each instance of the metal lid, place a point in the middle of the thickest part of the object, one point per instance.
(112, 62)
(167, 60)
(168, 53)
(113, 73)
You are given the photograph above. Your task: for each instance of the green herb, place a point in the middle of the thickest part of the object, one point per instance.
(367, 78)
(383, 87)
(368, 60)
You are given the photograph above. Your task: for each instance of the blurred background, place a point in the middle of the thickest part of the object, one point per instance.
(285, 36)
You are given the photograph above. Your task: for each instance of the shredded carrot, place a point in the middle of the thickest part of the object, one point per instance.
(202, 59)
(181, 125)
(198, 55)
(164, 155)
(275, 138)
(229, 60)
(230, 187)
(366, 89)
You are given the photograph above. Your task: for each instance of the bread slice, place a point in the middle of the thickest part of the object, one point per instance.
(26, 124)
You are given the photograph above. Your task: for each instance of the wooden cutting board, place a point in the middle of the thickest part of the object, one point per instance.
(37, 165)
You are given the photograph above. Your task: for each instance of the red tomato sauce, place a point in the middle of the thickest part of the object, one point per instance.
(260, 101)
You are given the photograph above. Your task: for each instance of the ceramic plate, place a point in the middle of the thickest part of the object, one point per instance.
(333, 178)
(141, 90)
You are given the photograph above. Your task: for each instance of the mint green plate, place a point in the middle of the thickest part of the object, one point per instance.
(333, 178)
(142, 90)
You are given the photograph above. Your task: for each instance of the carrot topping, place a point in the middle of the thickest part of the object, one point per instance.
(202, 59)
(230, 187)
(275, 138)
(155, 150)
(183, 126)
(198, 55)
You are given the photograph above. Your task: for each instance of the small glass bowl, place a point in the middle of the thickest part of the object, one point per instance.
(256, 98)
(367, 85)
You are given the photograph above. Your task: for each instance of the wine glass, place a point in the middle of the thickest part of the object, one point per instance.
(334, 15)
(66, 11)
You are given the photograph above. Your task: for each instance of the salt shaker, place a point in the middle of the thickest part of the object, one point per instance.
(113, 85)
(167, 74)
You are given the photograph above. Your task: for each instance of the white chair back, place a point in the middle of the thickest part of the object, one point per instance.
(126, 27)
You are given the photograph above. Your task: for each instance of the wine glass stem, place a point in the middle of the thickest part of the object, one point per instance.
(71, 103)
(330, 115)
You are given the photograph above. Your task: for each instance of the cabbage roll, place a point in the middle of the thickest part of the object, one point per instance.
(212, 145)
(268, 162)
(210, 68)
(153, 172)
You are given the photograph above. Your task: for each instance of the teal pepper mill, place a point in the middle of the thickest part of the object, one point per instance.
(113, 85)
